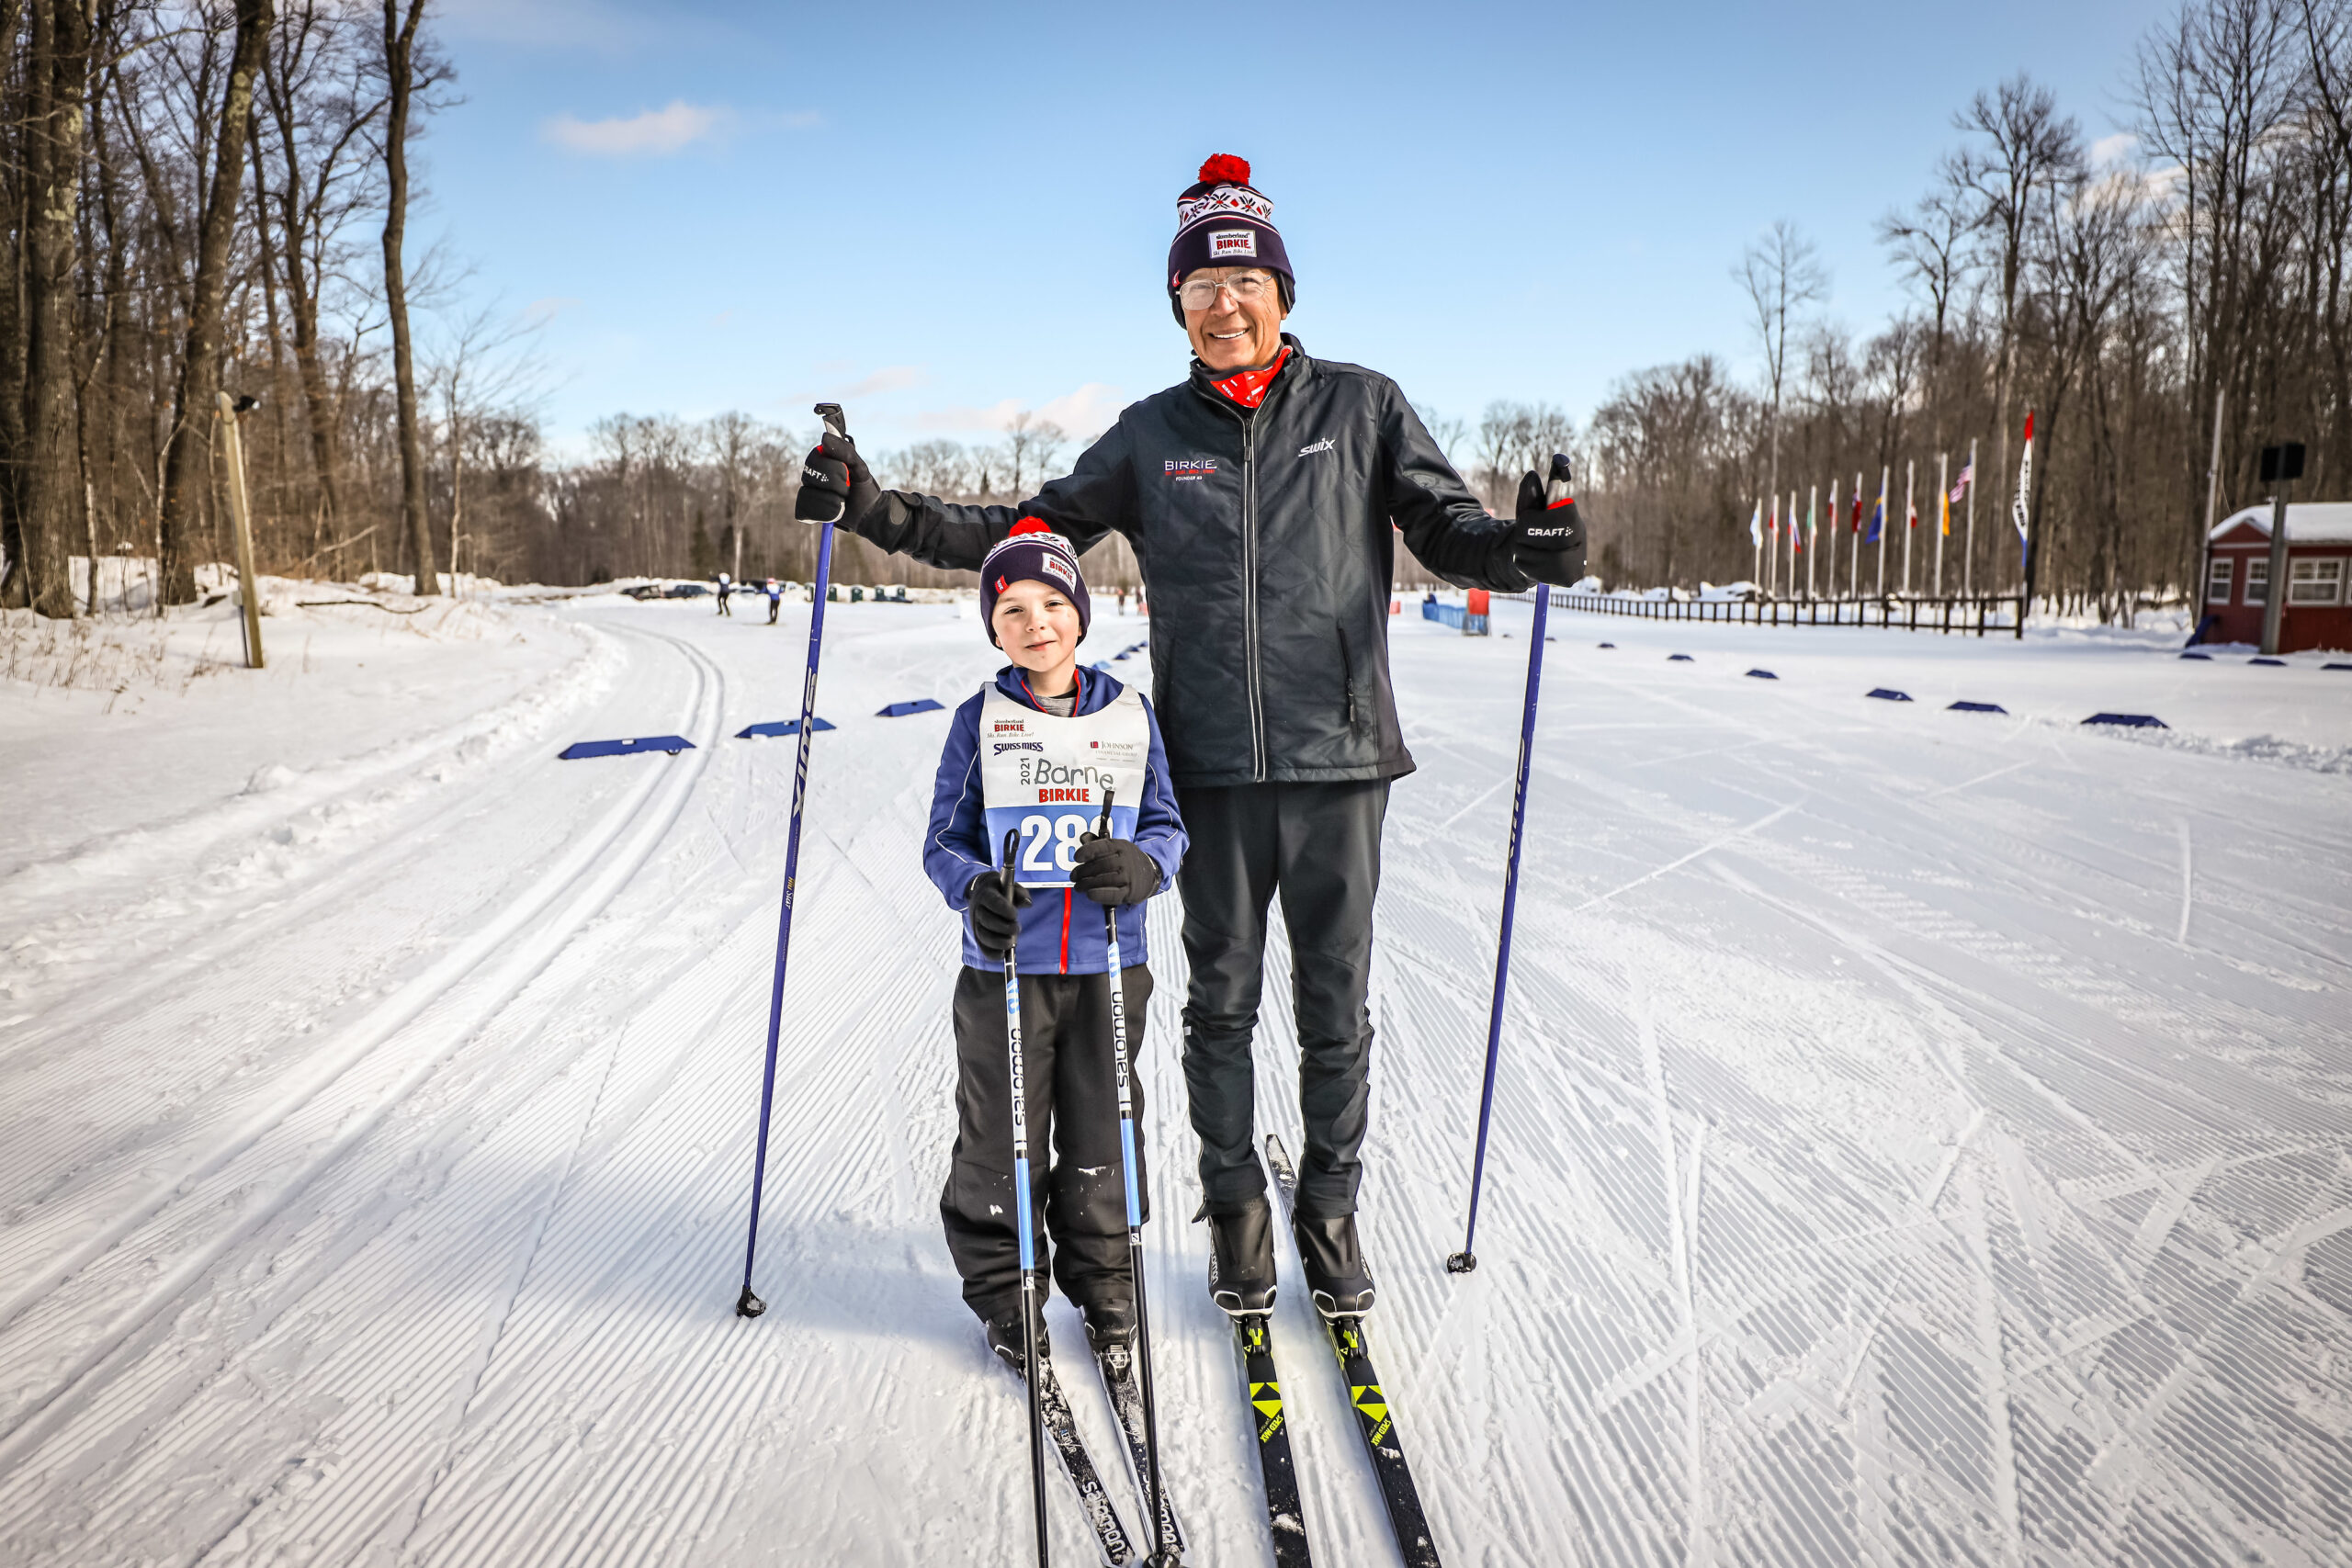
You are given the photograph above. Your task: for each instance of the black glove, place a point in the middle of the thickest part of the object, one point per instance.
(833, 478)
(1113, 871)
(994, 923)
(1547, 537)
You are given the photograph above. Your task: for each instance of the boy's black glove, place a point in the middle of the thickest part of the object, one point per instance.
(1547, 537)
(833, 478)
(1113, 871)
(994, 922)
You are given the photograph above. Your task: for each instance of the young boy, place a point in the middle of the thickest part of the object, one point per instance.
(1034, 752)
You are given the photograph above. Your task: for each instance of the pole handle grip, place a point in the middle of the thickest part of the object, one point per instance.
(1556, 483)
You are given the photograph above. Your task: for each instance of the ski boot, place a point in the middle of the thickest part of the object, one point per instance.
(1111, 1334)
(1241, 1259)
(1335, 1268)
(1004, 1338)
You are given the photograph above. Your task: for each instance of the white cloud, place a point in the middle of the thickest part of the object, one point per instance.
(2113, 148)
(658, 131)
(1084, 415)
(889, 379)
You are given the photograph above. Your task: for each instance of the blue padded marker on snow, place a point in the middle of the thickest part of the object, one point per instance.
(1888, 694)
(1976, 707)
(2206, 657)
(782, 726)
(2279, 662)
(2336, 666)
(901, 710)
(1678, 659)
(1763, 675)
(2130, 721)
(673, 744)
(1607, 645)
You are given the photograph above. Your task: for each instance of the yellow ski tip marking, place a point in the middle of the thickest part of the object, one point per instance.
(1376, 1406)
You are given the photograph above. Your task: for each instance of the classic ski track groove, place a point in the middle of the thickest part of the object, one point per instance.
(496, 1328)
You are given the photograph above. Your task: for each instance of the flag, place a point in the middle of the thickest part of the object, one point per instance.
(2018, 514)
(1858, 504)
(1945, 523)
(1812, 525)
(1878, 522)
(1967, 476)
(1912, 522)
(1772, 519)
(1756, 527)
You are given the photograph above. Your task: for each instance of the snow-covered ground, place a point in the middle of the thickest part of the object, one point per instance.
(1921, 1135)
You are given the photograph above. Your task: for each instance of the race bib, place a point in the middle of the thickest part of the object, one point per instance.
(1045, 777)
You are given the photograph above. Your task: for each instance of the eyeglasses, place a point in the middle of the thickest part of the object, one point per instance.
(1199, 293)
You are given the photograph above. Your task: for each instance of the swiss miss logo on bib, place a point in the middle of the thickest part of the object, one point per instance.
(1046, 776)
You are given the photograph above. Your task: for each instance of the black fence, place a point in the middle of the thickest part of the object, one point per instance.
(1977, 615)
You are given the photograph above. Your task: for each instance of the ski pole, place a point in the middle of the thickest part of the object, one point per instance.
(748, 1304)
(1020, 1204)
(1555, 490)
(1161, 1556)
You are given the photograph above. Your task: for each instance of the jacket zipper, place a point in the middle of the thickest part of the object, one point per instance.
(1348, 673)
(1250, 590)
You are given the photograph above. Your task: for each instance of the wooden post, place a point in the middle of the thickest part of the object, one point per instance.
(248, 583)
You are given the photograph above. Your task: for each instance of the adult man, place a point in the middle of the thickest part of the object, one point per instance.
(1259, 496)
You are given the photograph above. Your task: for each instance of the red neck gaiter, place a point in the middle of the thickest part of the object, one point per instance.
(1248, 387)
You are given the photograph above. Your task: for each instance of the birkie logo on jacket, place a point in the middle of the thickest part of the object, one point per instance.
(1195, 469)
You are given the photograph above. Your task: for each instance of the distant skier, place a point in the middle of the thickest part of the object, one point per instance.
(1044, 716)
(1259, 496)
(725, 588)
(775, 599)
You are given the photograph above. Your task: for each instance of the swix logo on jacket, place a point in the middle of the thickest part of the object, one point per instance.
(1325, 444)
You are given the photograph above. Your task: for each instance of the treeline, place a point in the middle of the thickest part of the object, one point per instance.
(2128, 291)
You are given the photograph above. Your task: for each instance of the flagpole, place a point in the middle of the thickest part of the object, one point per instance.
(1833, 536)
(1886, 479)
(1755, 537)
(1854, 548)
(1943, 514)
(1910, 517)
(1792, 543)
(1812, 535)
(1968, 558)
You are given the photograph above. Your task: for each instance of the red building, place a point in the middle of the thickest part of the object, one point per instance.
(2319, 572)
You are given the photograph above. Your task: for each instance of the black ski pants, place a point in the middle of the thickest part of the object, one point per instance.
(1316, 845)
(1078, 1191)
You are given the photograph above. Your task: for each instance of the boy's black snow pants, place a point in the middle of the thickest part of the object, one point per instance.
(1318, 846)
(1077, 1190)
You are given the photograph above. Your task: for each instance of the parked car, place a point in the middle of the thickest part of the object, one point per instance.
(685, 591)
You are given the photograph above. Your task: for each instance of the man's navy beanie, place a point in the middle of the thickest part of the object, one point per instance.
(1223, 221)
(1033, 552)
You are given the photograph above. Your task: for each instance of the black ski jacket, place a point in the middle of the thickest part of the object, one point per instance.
(1267, 550)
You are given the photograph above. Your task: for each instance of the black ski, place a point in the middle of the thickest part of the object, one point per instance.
(1093, 1501)
(1285, 1515)
(1373, 1419)
(1127, 1401)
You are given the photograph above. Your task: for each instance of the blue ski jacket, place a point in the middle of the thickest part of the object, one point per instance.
(1061, 933)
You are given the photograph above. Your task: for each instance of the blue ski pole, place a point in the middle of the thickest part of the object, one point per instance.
(748, 1304)
(1031, 1371)
(1555, 490)
(1162, 1554)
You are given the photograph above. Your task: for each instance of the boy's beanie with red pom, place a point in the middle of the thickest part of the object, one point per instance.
(1223, 221)
(1033, 552)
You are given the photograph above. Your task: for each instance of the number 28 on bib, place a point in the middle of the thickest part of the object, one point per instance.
(1046, 776)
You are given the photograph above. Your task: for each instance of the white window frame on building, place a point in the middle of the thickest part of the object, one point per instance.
(2315, 580)
(2220, 577)
(2257, 579)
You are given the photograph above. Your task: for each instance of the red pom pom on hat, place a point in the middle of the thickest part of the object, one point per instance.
(1030, 526)
(1224, 168)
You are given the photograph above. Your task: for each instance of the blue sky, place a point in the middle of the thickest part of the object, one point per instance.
(941, 213)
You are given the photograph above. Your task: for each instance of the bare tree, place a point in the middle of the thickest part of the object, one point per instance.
(402, 81)
(1782, 273)
(57, 65)
(1030, 444)
(188, 460)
